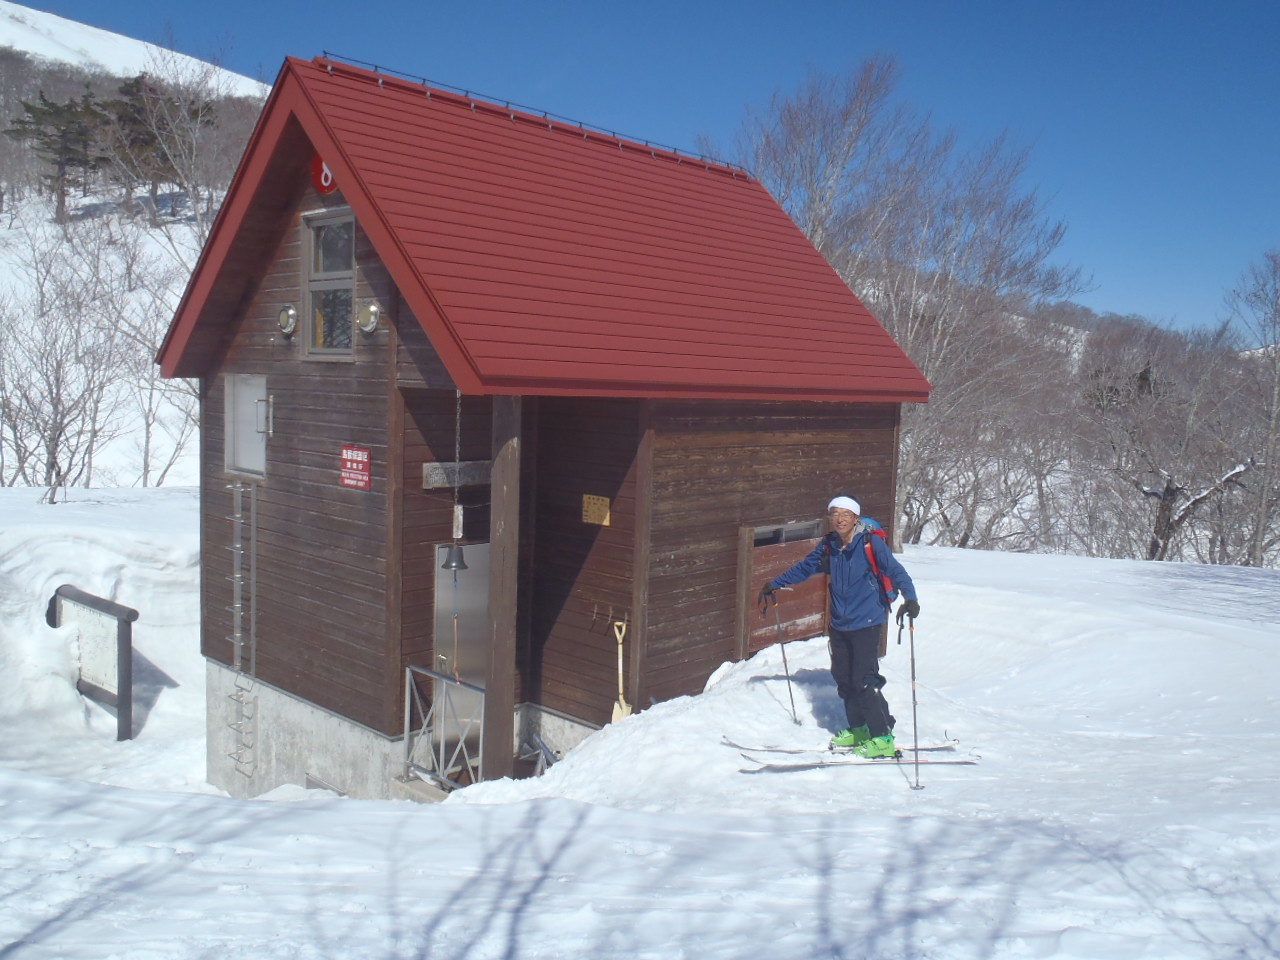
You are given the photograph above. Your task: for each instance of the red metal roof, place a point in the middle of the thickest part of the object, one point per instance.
(543, 258)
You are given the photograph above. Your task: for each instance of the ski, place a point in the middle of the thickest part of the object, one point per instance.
(771, 765)
(829, 751)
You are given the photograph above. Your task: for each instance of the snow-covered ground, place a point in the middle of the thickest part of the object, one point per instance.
(1125, 804)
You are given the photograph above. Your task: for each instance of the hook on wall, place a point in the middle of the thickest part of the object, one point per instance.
(623, 617)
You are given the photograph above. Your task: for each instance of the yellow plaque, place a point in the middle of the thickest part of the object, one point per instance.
(595, 510)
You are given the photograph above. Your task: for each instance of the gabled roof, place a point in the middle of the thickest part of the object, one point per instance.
(544, 258)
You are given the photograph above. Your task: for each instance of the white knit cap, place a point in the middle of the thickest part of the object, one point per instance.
(845, 503)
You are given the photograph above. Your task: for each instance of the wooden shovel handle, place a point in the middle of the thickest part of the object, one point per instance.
(619, 631)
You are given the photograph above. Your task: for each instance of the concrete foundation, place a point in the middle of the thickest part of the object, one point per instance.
(285, 740)
(558, 731)
(259, 738)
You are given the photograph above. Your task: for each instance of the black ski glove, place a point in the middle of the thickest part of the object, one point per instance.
(909, 608)
(766, 597)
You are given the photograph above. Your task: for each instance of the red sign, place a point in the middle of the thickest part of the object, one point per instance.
(322, 176)
(355, 468)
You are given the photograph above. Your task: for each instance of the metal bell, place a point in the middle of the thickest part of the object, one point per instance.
(453, 558)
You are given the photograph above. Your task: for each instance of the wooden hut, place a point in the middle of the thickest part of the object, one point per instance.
(618, 377)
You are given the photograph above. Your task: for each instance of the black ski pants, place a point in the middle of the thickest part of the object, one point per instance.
(855, 664)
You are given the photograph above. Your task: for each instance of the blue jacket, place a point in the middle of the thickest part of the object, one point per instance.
(856, 598)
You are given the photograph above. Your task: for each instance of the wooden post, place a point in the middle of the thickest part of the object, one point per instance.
(496, 759)
(638, 632)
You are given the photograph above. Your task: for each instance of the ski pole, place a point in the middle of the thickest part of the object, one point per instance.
(915, 726)
(777, 618)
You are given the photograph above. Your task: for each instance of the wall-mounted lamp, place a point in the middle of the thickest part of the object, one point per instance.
(367, 318)
(287, 319)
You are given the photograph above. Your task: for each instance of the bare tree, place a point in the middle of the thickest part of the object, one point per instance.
(59, 371)
(1254, 307)
(990, 474)
(1043, 432)
(76, 371)
(135, 291)
(1164, 407)
(946, 248)
(825, 154)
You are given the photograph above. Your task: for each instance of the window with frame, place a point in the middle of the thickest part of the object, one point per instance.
(330, 282)
(787, 532)
(248, 423)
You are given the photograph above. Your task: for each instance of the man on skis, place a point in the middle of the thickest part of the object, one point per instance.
(858, 562)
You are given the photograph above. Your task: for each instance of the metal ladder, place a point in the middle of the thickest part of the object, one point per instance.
(244, 725)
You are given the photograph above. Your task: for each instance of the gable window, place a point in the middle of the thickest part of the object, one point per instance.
(330, 282)
(248, 423)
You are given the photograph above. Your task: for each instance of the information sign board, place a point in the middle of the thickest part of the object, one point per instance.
(106, 649)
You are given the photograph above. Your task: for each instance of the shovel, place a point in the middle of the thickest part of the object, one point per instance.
(621, 709)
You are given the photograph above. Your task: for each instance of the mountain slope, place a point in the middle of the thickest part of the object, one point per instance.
(67, 41)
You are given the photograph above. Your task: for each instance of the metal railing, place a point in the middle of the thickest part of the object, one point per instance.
(439, 749)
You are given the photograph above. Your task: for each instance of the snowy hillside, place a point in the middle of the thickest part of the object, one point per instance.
(56, 38)
(1124, 717)
(117, 269)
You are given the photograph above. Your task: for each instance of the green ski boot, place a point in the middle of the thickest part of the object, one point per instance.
(877, 747)
(851, 738)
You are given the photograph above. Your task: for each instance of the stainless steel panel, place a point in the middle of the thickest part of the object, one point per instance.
(463, 634)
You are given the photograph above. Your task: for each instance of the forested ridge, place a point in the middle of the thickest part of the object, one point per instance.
(1051, 428)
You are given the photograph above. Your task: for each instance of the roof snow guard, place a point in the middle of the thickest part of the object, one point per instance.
(542, 257)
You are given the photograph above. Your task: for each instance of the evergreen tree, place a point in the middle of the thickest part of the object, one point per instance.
(135, 139)
(66, 136)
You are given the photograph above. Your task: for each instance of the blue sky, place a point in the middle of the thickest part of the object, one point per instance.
(1154, 125)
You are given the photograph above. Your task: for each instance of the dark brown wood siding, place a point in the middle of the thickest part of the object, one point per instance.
(721, 466)
(582, 573)
(319, 554)
(341, 586)
(417, 364)
(429, 426)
